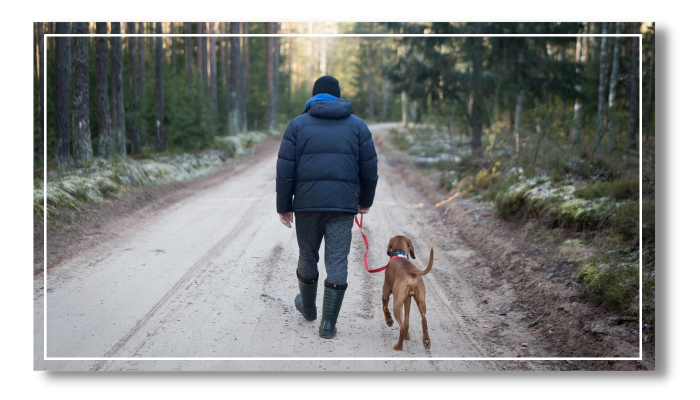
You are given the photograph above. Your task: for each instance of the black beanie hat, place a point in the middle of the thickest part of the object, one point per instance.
(327, 84)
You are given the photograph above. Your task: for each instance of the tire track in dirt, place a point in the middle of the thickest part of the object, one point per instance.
(194, 271)
(439, 290)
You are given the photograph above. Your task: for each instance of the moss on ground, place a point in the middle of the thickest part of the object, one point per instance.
(561, 186)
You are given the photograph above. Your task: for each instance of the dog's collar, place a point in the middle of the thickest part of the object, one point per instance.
(399, 254)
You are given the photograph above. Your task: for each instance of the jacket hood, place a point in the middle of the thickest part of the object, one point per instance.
(337, 109)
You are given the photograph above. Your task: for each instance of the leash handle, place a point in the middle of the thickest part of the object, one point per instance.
(371, 271)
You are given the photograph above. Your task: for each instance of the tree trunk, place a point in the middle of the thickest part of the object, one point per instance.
(204, 60)
(244, 78)
(202, 55)
(516, 117)
(105, 147)
(309, 60)
(118, 123)
(478, 96)
(634, 89)
(518, 121)
(160, 86)
(650, 95)
(173, 41)
(40, 73)
(213, 86)
(404, 95)
(592, 41)
(188, 54)
(142, 62)
(134, 131)
(414, 111)
(62, 89)
(272, 72)
(600, 127)
(385, 83)
(82, 141)
(370, 78)
(223, 70)
(234, 123)
(586, 41)
(277, 74)
(227, 60)
(494, 116)
(577, 104)
(612, 129)
(404, 109)
(35, 66)
(290, 41)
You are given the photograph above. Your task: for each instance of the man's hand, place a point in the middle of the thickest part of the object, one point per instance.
(363, 210)
(287, 219)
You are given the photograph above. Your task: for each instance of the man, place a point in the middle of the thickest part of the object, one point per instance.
(326, 174)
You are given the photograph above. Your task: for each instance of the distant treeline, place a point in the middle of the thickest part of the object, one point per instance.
(110, 96)
(586, 87)
(121, 96)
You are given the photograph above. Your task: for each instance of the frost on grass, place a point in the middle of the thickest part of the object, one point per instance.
(540, 198)
(99, 180)
(427, 145)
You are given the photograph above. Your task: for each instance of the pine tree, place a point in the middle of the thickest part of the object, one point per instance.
(633, 130)
(173, 41)
(245, 87)
(188, 54)
(600, 127)
(650, 87)
(118, 123)
(370, 78)
(202, 54)
(577, 104)
(612, 128)
(234, 83)
(213, 86)
(142, 62)
(82, 140)
(160, 87)
(105, 147)
(272, 71)
(478, 92)
(62, 90)
(134, 131)
(40, 81)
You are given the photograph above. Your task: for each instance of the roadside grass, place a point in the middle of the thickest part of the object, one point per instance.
(101, 180)
(571, 190)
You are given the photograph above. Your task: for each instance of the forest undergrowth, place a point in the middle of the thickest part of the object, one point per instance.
(586, 202)
(100, 180)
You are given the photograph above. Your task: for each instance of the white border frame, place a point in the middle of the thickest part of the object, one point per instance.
(640, 358)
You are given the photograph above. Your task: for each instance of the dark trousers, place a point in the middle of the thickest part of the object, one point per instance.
(336, 229)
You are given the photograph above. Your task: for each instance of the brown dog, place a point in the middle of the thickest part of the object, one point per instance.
(404, 280)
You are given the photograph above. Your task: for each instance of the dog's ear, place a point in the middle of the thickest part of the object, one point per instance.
(389, 247)
(410, 249)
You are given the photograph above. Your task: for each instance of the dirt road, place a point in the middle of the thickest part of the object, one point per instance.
(212, 276)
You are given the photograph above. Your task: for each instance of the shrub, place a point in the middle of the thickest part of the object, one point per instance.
(623, 189)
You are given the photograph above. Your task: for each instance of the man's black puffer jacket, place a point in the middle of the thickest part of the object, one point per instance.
(327, 161)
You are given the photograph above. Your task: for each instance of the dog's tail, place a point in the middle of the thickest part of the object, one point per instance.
(425, 271)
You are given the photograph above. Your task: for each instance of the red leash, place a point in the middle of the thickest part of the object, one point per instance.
(359, 224)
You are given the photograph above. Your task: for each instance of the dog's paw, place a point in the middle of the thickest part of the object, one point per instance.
(426, 343)
(389, 322)
(408, 336)
(397, 347)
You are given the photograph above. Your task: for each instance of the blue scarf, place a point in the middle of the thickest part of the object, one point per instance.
(320, 97)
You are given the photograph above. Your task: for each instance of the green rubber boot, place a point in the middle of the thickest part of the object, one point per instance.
(306, 299)
(332, 300)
